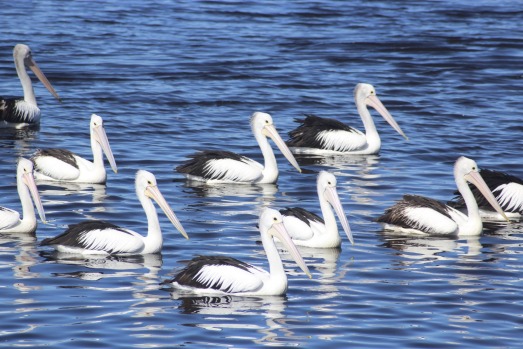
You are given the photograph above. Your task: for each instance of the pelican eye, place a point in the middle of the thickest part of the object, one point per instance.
(267, 121)
(149, 182)
(275, 219)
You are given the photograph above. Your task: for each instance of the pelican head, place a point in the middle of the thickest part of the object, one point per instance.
(365, 93)
(24, 58)
(466, 169)
(98, 132)
(261, 123)
(326, 184)
(146, 186)
(271, 222)
(24, 173)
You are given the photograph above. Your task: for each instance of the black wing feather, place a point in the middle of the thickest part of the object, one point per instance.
(188, 275)
(61, 154)
(72, 236)
(306, 134)
(301, 214)
(196, 165)
(394, 214)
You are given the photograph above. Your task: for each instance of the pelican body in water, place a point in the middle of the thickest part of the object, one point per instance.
(100, 237)
(421, 215)
(226, 275)
(318, 135)
(17, 111)
(227, 167)
(10, 221)
(308, 229)
(63, 165)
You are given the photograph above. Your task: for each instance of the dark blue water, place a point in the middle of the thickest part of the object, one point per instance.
(173, 77)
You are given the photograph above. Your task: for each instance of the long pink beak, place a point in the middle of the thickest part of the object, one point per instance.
(34, 67)
(154, 193)
(475, 178)
(278, 230)
(374, 102)
(29, 181)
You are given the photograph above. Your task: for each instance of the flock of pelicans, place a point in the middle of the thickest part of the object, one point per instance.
(291, 227)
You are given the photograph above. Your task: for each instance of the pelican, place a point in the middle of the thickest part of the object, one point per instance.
(99, 237)
(63, 165)
(307, 229)
(509, 194)
(227, 167)
(18, 111)
(418, 214)
(10, 221)
(226, 275)
(318, 135)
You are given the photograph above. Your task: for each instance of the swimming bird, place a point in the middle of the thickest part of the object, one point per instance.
(227, 167)
(226, 275)
(17, 111)
(10, 221)
(508, 190)
(308, 229)
(418, 214)
(63, 165)
(100, 237)
(318, 135)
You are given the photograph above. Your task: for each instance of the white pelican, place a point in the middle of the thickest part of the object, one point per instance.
(417, 214)
(307, 229)
(19, 111)
(508, 190)
(318, 135)
(227, 167)
(10, 221)
(99, 237)
(226, 275)
(63, 165)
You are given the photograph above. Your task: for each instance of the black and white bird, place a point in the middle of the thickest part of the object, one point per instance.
(63, 165)
(226, 275)
(318, 135)
(99, 237)
(227, 167)
(421, 215)
(508, 190)
(10, 221)
(18, 111)
(308, 229)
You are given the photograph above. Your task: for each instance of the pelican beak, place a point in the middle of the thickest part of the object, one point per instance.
(475, 178)
(332, 197)
(374, 102)
(101, 137)
(278, 230)
(29, 181)
(154, 193)
(270, 131)
(34, 67)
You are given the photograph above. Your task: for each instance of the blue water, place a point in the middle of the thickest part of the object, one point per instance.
(172, 77)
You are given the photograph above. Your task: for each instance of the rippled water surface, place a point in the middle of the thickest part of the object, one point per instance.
(172, 77)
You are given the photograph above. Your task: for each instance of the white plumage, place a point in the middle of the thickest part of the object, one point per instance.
(417, 214)
(227, 167)
(19, 112)
(226, 275)
(318, 135)
(99, 237)
(63, 165)
(307, 229)
(10, 221)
